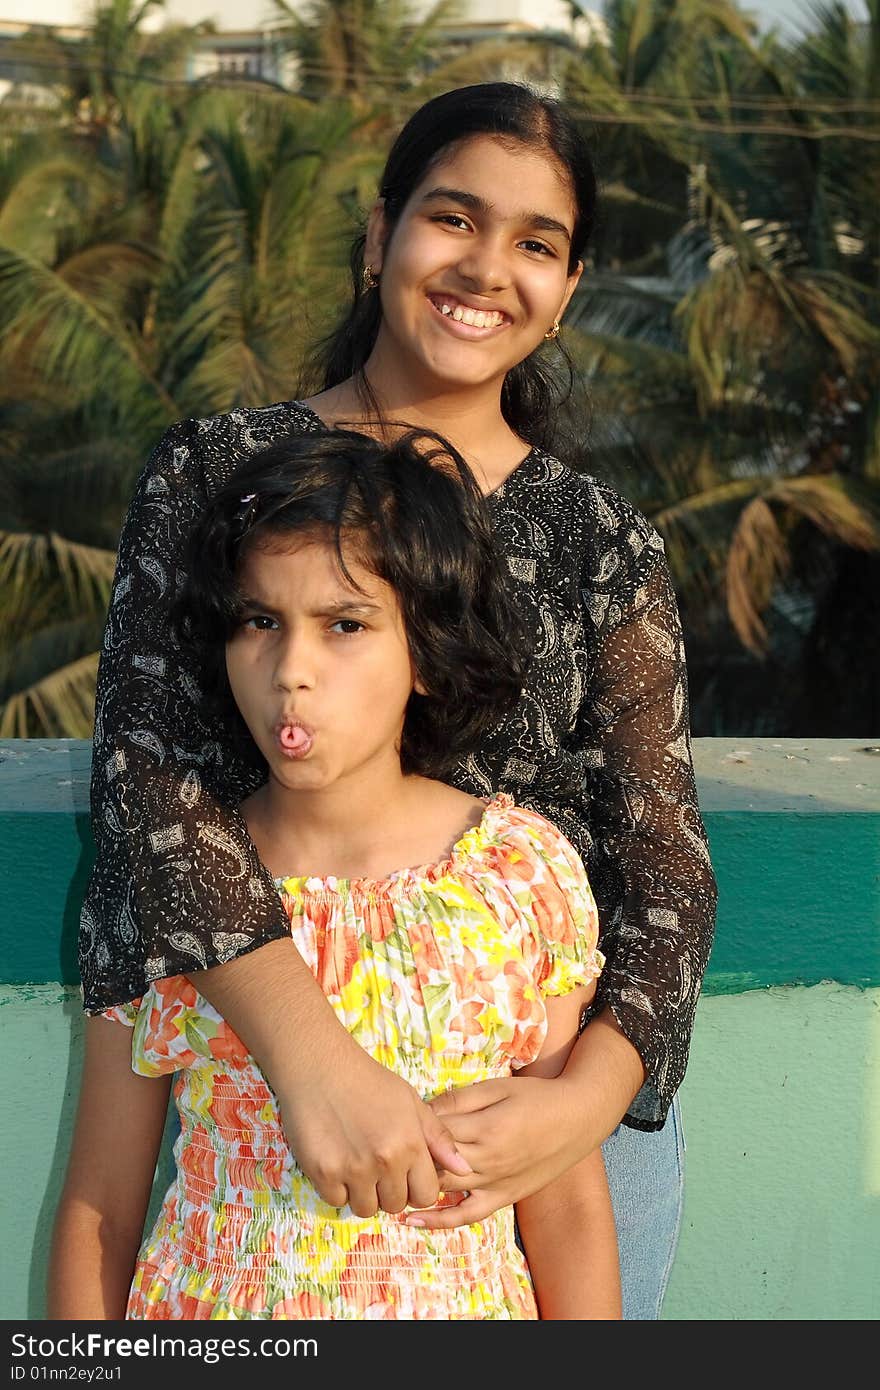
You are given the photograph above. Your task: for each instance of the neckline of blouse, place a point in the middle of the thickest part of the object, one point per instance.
(471, 840)
(496, 493)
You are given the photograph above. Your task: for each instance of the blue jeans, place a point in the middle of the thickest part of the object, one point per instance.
(646, 1178)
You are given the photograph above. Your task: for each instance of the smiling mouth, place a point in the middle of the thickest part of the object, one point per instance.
(451, 308)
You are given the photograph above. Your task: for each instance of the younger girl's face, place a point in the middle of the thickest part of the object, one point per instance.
(321, 672)
(475, 271)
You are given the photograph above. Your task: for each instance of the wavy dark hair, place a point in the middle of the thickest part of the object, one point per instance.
(534, 389)
(418, 521)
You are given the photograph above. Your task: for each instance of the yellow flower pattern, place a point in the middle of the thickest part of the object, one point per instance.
(440, 973)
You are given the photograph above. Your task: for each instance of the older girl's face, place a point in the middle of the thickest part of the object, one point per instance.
(475, 271)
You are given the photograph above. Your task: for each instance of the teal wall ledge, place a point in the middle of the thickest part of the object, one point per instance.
(794, 830)
(782, 1194)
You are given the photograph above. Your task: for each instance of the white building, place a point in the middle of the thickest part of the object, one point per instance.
(249, 15)
(241, 42)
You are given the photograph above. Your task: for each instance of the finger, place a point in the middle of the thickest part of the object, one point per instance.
(392, 1192)
(424, 1185)
(442, 1146)
(458, 1182)
(363, 1198)
(461, 1100)
(475, 1207)
(335, 1194)
(468, 1129)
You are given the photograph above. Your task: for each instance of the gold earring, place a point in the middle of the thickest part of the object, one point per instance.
(368, 279)
(554, 331)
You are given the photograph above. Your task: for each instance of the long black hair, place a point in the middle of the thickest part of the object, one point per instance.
(416, 519)
(532, 390)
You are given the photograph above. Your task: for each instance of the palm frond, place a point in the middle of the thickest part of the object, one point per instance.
(61, 705)
(757, 558)
(54, 191)
(64, 335)
(845, 509)
(759, 555)
(847, 332)
(28, 562)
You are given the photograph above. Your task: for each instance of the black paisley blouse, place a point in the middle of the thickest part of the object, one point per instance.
(599, 744)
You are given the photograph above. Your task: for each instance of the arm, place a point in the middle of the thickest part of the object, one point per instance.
(655, 891)
(649, 865)
(176, 883)
(178, 886)
(567, 1228)
(100, 1217)
(361, 1134)
(521, 1133)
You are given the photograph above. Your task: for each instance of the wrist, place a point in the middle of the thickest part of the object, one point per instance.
(604, 1074)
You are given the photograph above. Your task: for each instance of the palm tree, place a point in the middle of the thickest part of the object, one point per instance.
(649, 91)
(736, 395)
(386, 57)
(148, 271)
(169, 250)
(72, 267)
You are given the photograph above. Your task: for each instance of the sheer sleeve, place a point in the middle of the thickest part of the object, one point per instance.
(649, 864)
(177, 884)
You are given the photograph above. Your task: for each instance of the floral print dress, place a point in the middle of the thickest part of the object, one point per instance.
(440, 973)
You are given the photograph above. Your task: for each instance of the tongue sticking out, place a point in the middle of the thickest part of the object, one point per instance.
(293, 738)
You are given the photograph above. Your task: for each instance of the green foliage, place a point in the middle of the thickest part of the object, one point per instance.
(728, 336)
(173, 249)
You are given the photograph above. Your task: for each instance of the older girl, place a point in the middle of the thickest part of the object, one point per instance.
(472, 252)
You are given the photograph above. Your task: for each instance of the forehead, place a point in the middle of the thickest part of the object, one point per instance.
(517, 179)
(287, 562)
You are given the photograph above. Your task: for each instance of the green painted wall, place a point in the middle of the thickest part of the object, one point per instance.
(782, 1213)
(782, 1189)
(42, 1029)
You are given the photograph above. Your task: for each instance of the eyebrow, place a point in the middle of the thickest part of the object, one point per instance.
(342, 609)
(539, 220)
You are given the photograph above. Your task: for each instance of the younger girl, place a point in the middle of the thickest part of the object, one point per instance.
(369, 643)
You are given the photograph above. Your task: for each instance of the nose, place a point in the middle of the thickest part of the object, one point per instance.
(483, 265)
(295, 665)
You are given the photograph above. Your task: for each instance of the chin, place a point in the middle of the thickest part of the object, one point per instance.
(451, 375)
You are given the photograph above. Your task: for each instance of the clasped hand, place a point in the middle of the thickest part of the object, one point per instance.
(370, 1142)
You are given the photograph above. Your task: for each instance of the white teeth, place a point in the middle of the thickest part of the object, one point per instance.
(476, 318)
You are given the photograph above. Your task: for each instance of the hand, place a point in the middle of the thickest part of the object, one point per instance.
(359, 1133)
(517, 1133)
(364, 1137)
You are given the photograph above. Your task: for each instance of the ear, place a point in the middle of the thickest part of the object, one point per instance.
(570, 287)
(377, 235)
(419, 686)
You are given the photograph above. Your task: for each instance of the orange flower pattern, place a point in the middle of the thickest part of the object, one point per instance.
(440, 973)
